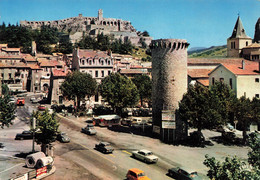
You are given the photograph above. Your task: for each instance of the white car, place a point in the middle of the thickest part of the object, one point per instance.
(145, 155)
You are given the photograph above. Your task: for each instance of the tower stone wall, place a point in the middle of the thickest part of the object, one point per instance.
(169, 78)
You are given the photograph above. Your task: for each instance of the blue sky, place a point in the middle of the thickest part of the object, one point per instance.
(203, 23)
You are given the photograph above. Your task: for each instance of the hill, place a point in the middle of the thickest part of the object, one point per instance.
(211, 52)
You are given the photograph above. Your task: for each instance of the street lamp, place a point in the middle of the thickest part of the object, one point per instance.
(33, 128)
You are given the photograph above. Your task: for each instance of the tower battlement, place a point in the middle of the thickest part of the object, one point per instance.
(173, 44)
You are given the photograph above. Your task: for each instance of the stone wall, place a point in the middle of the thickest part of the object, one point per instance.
(169, 76)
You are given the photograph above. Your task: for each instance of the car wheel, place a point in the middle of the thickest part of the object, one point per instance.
(133, 156)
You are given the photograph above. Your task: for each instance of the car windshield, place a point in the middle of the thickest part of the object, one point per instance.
(141, 174)
(149, 153)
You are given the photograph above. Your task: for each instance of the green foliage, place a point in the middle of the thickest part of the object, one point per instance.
(45, 37)
(223, 99)
(78, 84)
(195, 108)
(233, 168)
(7, 111)
(144, 86)
(208, 108)
(5, 89)
(254, 154)
(105, 43)
(212, 52)
(118, 91)
(16, 37)
(47, 126)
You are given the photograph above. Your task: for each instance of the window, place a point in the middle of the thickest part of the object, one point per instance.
(213, 80)
(230, 83)
(102, 74)
(221, 80)
(83, 62)
(22, 75)
(247, 43)
(2, 75)
(96, 74)
(257, 80)
(233, 45)
(10, 75)
(257, 95)
(46, 69)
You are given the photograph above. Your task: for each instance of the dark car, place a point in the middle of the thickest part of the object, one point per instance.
(183, 174)
(63, 137)
(104, 147)
(89, 129)
(24, 135)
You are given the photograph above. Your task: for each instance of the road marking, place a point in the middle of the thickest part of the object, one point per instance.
(127, 152)
(96, 153)
(112, 155)
(11, 168)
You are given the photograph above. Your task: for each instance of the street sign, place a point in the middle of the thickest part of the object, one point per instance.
(168, 115)
(168, 124)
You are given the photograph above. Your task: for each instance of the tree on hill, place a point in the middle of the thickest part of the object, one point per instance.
(144, 86)
(77, 86)
(118, 91)
(47, 126)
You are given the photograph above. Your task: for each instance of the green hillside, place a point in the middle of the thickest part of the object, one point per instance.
(212, 52)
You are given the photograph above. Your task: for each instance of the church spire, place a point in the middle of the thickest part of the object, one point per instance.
(239, 31)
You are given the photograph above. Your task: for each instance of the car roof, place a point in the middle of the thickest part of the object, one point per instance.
(105, 143)
(188, 170)
(137, 171)
(145, 151)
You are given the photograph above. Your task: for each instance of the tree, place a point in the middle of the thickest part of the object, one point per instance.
(144, 86)
(244, 114)
(77, 86)
(7, 111)
(233, 168)
(223, 99)
(47, 126)
(118, 91)
(195, 108)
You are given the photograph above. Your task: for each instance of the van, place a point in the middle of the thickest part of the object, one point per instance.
(136, 174)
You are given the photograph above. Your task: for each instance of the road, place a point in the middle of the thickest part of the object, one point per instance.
(79, 160)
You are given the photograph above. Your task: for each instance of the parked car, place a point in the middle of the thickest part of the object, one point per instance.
(32, 98)
(20, 102)
(104, 147)
(41, 107)
(89, 129)
(145, 155)
(35, 101)
(136, 174)
(63, 137)
(24, 135)
(11, 100)
(183, 174)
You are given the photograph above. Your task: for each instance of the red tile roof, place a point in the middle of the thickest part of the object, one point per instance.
(59, 72)
(34, 66)
(250, 68)
(198, 73)
(91, 54)
(204, 82)
(132, 71)
(214, 61)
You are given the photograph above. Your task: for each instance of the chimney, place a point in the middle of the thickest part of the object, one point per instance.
(243, 64)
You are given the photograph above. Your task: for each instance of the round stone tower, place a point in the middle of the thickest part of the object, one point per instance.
(169, 77)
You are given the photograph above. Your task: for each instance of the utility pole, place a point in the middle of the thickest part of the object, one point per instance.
(34, 127)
